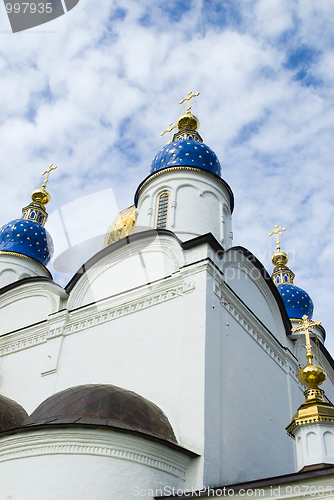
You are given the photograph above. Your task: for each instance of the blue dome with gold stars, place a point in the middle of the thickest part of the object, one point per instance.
(187, 152)
(297, 302)
(27, 238)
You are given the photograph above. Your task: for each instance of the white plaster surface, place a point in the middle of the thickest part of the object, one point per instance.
(14, 268)
(214, 358)
(314, 444)
(198, 204)
(82, 463)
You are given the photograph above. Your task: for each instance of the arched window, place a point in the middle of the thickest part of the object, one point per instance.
(162, 210)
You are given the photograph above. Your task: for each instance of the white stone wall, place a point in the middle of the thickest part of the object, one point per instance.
(14, 268)
(314, 444)
(185, 341)
(78, 463)
(198, 204)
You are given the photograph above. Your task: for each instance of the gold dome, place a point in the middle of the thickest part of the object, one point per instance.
(123, 225)
(40, 196)
(188, 121)
(279, 259)
(312, 375)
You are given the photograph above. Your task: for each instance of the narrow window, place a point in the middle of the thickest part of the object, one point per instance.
(162, 210)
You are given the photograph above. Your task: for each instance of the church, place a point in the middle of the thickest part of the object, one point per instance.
(171, 363)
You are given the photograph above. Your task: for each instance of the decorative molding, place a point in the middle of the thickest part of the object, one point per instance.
(35, 289)
(259, 333)
(162, 244)
(28, 337)
(129, 307)
(246, 266)
(80, 441)
(26, 341)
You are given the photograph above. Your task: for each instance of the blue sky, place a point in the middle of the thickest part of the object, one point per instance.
(92, 91)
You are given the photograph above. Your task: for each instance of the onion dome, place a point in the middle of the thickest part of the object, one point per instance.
(123, 225)
(187, 147)
(297, 302)
(186, 152)
(103, 405)
(12, 415)
(27, 236)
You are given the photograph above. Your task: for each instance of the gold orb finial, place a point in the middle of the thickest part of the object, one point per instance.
(310, 375)
(281, 274)
(279, 259)
(35, 211)
(41, 195)
(188, 120)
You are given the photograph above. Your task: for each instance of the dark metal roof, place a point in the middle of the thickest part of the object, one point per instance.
(103, 405)
(12, 415)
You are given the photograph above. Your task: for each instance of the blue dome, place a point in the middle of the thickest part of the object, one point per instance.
(27, 238)
(187, 152)
(297, 302)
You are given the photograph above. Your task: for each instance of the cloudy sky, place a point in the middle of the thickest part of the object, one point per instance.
(92, 90)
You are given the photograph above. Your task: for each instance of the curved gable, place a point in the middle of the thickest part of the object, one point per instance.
(248, 278)
(28, 301)
(135, 261)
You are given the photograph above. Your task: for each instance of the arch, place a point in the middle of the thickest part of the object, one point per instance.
(162, 210)
(328, 439)
(299, 446)
(311, 445)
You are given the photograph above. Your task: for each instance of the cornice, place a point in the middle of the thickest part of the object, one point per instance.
(128, 307)
(80, 441)
(89, 316)
(254, 261)
(178, 168)
(257, 330)
(22, 256)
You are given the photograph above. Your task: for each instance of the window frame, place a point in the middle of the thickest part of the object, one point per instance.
(160, 206)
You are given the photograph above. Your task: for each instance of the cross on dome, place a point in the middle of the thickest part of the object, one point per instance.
(189, 96)
(169, 131)
(305, 326)
(47, 173)
(276, 231)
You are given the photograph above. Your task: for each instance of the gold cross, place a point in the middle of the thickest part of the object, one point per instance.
(169, 130)
(190, 95)
(47, 173)
(305, 326)
(276, 231)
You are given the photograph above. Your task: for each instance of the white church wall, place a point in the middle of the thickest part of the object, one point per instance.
(82, 463)
(150, 341)
(246, 281)
(142, 262)
(198, 203)
(34, 301)
(15, 267)
(187, 343)
(248, 401)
